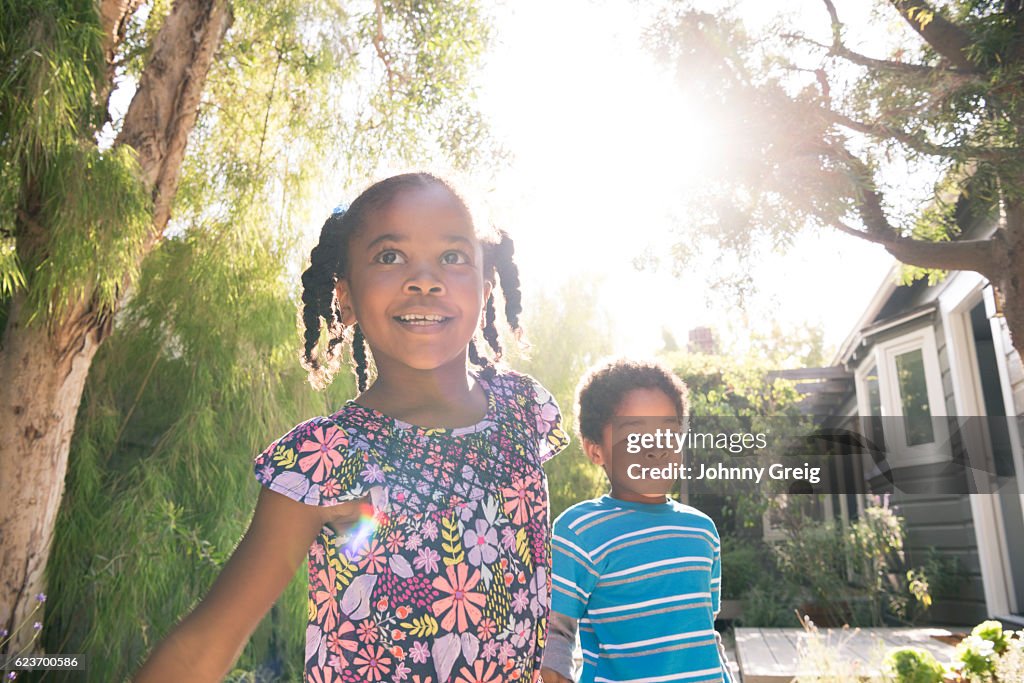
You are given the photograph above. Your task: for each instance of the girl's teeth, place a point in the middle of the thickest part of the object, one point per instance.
(421, 319)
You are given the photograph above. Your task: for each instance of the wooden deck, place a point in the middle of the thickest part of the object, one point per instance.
(771, 655)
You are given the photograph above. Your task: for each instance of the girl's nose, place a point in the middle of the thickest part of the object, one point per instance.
(424, 281)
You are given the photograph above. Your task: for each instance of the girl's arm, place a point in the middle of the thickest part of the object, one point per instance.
(557, 666)
(206, 643)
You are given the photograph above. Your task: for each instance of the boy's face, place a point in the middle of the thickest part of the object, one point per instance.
(641, 411)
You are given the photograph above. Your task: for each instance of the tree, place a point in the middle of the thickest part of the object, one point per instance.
(567, 333)
(814, 124)
(200, 373)
(232, 108)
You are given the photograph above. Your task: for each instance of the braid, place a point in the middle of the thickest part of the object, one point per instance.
(318, 301)
(359, 357)
(501, 258)
(490, 331)
(508, 272)
(474, 355)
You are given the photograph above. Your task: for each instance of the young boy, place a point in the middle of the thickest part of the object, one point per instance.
(637, 572)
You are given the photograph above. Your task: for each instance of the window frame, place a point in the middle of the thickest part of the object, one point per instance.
(883, 357)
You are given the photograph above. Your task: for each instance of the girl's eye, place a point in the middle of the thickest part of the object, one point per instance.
(454, 258)
(390, 257)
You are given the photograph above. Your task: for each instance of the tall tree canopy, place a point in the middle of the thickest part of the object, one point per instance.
(814, 125)
(234, 109)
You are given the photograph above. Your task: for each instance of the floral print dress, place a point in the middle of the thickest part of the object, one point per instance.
(446, 577)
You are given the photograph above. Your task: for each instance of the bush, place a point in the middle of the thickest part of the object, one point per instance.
(913, 665)
(978, 655)
(988, 655)
(743, 564)
(770, 603)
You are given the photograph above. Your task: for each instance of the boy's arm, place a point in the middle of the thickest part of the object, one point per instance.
(726, 676)
(204, 645)
(557, 666)
(573, 577)
(716, 590)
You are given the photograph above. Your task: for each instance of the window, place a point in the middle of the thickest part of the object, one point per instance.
(871, 421)
(899, 393)
(913, 396)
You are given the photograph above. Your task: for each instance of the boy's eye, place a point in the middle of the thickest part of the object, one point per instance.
(390, 257)
(454, 258)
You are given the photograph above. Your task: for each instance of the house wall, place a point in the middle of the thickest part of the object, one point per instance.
(943, 524)
(1014, 369)
(940, 525)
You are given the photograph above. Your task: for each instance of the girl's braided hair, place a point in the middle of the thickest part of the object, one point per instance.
(329, 259)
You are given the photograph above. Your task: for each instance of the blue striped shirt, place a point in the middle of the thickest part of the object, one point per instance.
(643, 580)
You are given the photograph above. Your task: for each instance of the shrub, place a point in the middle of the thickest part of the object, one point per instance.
(913, 665)
(978, 655)
(743, 563)
(770, 603)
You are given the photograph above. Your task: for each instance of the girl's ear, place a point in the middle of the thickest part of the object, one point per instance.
(593, 451)
(344, 296)
(488, 288)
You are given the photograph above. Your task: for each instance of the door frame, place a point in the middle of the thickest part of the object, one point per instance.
(962, 293)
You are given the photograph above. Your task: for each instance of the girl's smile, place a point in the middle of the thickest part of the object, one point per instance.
(424, 322)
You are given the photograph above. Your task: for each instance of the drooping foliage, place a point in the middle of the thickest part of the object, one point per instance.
(304, 102)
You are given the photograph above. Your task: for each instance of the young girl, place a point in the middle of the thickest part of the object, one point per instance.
(421, 505)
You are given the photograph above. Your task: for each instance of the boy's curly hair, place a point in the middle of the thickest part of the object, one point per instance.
(601, 390)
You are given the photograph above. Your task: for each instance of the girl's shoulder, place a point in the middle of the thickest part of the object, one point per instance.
(531, 402)
(320, 461)
(517, 385)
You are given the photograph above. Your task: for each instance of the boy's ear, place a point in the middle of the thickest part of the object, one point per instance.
(344, 297)
(593, 451)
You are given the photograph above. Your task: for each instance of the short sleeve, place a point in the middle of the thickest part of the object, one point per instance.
(315, 464)
(573, 575)
(552, 438)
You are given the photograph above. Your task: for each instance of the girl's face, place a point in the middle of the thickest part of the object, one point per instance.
(415, 280)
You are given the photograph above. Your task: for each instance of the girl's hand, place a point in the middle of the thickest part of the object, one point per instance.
(205, 645)
(552, 676)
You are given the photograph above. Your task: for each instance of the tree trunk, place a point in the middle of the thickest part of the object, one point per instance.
(1009, 280)
(42, 376)
(43, 366)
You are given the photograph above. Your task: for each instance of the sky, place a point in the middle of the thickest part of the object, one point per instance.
(605, 146)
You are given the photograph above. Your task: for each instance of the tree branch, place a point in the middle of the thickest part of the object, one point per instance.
(888, 65)
(869, 201)
(981, 256)
(114, 18)
(945, 37)
(883, 132)
(839, 49)
(166, 103)
(382, 51)
(975, 255)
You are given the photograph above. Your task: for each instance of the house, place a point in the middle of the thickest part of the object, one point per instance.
(920, 359)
